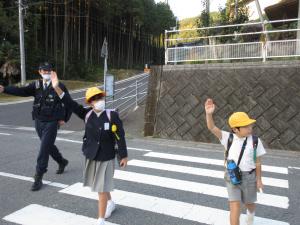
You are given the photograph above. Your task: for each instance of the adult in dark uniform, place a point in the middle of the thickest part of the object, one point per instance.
(49, 114)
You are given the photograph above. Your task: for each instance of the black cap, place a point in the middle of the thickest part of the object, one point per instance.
(45, 66)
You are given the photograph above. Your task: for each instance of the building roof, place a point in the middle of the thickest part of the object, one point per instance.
(286, 9)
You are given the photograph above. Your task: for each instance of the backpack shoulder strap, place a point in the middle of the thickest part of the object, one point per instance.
(111, 114)
(87, 116)
(107, 111)
(255, 143)
(242, 151)
(229, 143)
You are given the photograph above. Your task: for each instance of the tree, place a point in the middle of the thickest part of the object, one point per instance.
(71, 33)
(224, 17)
(9, 56)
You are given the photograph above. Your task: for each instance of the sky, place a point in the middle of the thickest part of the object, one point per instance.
(191, 8)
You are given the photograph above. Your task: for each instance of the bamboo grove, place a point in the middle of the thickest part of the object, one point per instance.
(70, 33)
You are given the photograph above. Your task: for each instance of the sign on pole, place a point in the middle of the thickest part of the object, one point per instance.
(109, 85)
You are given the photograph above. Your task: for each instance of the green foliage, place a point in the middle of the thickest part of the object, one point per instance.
(9, 52)
(223, 17)
(8, 23)
(133, 29)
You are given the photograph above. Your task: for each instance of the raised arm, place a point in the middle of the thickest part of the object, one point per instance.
(78, 109)
(209, 109)
(19, 91)
(68, 111)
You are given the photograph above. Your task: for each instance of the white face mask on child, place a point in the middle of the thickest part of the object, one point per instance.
(100, 105)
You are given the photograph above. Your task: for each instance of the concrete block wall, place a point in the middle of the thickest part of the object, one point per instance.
(269, 92)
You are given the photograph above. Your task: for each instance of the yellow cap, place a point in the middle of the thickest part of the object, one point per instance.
(240, 119)
(91, 92)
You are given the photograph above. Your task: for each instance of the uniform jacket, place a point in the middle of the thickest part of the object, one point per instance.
(47, 105)
(99, 141)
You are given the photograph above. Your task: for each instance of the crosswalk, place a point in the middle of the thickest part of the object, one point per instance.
(174, 172)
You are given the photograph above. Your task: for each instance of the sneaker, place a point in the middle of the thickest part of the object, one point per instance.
(111, 206)
(250, 218)
(100, 221)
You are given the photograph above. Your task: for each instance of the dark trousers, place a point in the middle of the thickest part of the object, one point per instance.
(47, 132)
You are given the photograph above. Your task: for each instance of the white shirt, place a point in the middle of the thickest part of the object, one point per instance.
(98, 113)
(46, 82)
(247, 163)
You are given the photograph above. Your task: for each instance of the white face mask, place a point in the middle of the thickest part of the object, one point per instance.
(99, 105)
(46, 76)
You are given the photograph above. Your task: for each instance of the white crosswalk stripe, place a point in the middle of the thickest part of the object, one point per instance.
(273, 169)
(48, 216)
(154, 173)
(196, 187)
(178, 209)
(200, 172)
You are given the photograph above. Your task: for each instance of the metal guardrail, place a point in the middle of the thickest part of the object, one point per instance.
(264, 44)
(131, 93)
(250, 50)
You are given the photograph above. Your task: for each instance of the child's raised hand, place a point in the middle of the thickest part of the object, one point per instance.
(209, 106)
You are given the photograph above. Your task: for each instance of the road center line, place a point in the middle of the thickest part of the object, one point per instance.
(5, 134)
(30, 179)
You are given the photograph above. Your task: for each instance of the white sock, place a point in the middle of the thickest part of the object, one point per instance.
(101, 219)
(249, 213)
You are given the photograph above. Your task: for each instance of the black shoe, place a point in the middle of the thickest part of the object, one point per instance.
(38, 183)
(62, 166)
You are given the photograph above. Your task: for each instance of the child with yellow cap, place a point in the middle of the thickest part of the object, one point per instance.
(243, 162)
(102, 130)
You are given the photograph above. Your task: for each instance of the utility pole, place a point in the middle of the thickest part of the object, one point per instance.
(263, 23)
(236, 8)
(22, 48)
(259, 10)
(261, 17)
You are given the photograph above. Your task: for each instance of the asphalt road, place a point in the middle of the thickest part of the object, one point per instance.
(166, 182)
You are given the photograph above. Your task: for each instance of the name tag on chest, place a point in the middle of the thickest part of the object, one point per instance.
(106, 126)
